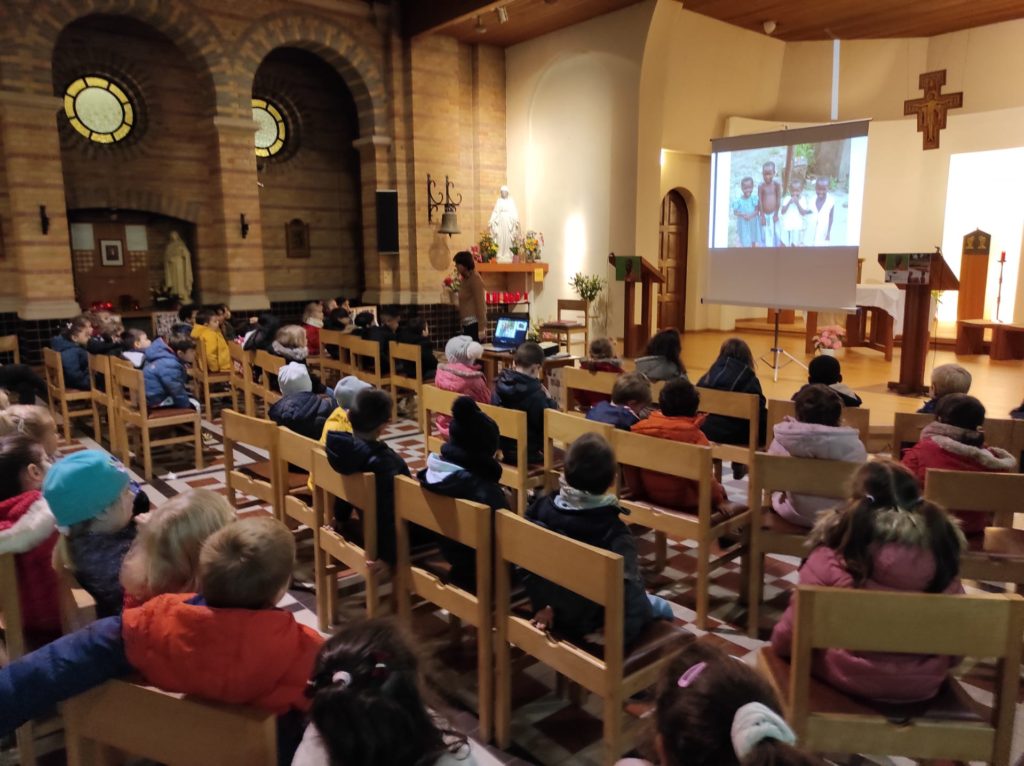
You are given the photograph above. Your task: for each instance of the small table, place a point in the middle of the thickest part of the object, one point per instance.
(1007, 341)
(970, 335)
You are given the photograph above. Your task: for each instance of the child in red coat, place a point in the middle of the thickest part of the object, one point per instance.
(602, 359)
(28, 530)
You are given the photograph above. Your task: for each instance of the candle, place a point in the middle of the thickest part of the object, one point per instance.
(1002, 257)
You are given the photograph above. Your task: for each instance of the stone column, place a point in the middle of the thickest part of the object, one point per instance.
(383, 273)
(230, 265)
(38, 264)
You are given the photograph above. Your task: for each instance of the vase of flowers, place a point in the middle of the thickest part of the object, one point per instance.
(533, 243)
(587, 287)
(487, 247)
(829, 339)
(451, 285)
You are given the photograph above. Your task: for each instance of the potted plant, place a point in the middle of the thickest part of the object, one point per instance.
(587, 287)
(487, 247)
(533, 243)
(828, 339)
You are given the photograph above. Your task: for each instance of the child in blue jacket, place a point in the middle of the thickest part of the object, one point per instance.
(166, 371)
(70, 344)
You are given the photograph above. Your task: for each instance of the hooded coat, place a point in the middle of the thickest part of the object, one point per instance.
(814, 441)
(950, 448)
(28, 529)
(165, 376)
(218, 355)
(304, 413)
(75, 361)
(658, 368)
(730, 374)
(618, 415)
(349, 454)
(297, 355)
(463, 380)
(576, 616)
(902, 561)
(516, 390)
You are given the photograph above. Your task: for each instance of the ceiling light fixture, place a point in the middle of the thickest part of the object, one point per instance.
(503, 15)
(769, 27)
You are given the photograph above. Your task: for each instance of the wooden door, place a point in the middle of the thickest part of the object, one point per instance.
(674, 232)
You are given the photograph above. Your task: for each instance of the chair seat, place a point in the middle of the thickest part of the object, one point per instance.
(262, 469)
(171, 412)
(952, 703)
(658, 637)
(999, 541)
(722, 513)
(563, 324)
(772, 522)
(438, 566)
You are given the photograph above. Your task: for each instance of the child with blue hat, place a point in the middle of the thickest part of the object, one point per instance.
(90, 498)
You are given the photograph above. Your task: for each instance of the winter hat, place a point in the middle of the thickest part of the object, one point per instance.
(347, 389)
(82, 485)
(471, 430)
(294, 378)
(371, 410)
(463, 350)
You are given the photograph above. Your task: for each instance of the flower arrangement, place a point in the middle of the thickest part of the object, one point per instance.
(487, 247)
(532, 245)
(452, 283)
(587, 288)
(829, 337)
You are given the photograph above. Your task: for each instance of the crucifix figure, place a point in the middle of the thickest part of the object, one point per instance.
(931, 110)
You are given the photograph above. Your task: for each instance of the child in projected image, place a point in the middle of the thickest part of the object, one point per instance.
(769, 194)
(824, 209)
(745, 210)
(794, 210)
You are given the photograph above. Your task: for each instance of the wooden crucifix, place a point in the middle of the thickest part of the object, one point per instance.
(931, 110)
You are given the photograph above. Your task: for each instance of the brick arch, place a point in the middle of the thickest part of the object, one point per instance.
(184, 25)
(341, 48)
(102, 197)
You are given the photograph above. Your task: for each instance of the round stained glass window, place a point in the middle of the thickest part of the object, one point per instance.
(99, 109)
(271, 131)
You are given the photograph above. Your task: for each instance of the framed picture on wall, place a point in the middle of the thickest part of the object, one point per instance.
(296, 237)
(111, 252)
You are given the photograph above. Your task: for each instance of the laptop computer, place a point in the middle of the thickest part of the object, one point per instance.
(509, 333)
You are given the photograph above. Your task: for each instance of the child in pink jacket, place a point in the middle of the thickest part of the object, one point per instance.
(886, 537)
(461, 375)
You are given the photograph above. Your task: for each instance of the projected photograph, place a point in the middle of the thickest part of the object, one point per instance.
(789, 196)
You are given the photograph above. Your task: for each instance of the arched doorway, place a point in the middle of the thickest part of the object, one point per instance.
(673, 233)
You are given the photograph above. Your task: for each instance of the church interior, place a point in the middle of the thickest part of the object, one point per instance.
(551, 354)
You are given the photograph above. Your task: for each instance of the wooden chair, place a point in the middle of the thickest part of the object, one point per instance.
(951, 727)
(564, 330)
(265, 364)
(295, 451)
(331, 369)
(998, 555)
(9, 345)
(734, 405)
(576, 379)
(360, 491)
(406, 352)
(614, 674)
(464, 522)
(208, 382)
(769, 532)
(563, 429)
(132, 412)
(64, 400)
(999, 432)
(121, 717)
(366, 362)
(854, 417)
(100, 387)
(258, 479)
(706, 526)
(77, 607)
(906, 431)
(240, 379)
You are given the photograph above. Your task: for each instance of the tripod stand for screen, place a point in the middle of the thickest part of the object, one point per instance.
(777, 353)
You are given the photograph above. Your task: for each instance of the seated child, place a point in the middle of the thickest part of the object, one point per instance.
(290, 343)
(712, 710)
(207, 329)
(263, 334)
(602, 359)
(520, 388)
(467, 469)
(416, 333)
(345, 392)
(662, 360)
(370, 706)
(947, 379)
(299, 409)
(22, 381)
(733, 370)
(363, 450)
(382, 335)
(461, 375)
(817, 433)
(955, 442)
(166, 372)
(224, 321)
(885, 537)
(825, 370)
(27, 529)
(631, 395)
(165, 555)
(135, 344)
(583, 511)
(70, 344)
(107, 332)
(313, 323)
(678, 421)
(92, 503)
(339, 315)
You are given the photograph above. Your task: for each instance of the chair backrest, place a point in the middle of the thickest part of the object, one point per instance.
(733, 404)
(146, 722)
(906, 431)
(99, 369)
(202, 365)
(570, 304)
(338, 340)
(129, 392)
(241, 367)
(9, 345)
(1007, 434)
(915, 623)
(54, 371)
(511, 425)
(808, 476)
(10, 608)
(435, 401)
(406, 352)
(366, 353)
(358, 490)
(561, 428)
(1000, 493)
(253, 432)
(294, 450)
(77, 606)
(267, 364)
(577, 379)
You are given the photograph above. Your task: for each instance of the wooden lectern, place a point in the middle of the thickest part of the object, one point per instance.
(917, 315)
(635, 336)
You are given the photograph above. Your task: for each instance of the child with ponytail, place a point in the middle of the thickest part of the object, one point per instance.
(714, 710)
(369, 706)
(885, 537)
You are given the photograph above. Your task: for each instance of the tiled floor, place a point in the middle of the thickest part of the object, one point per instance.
(547, 728)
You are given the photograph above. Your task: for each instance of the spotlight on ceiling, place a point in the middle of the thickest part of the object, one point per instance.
(769, 27)
(503, 15)
(480, 28)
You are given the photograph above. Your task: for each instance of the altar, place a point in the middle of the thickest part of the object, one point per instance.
(875, 323)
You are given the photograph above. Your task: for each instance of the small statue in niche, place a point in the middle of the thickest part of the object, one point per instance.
(178, 267)
(504, 226)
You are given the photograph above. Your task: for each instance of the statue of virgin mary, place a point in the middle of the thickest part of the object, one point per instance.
(504, 225)
(178, 268)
